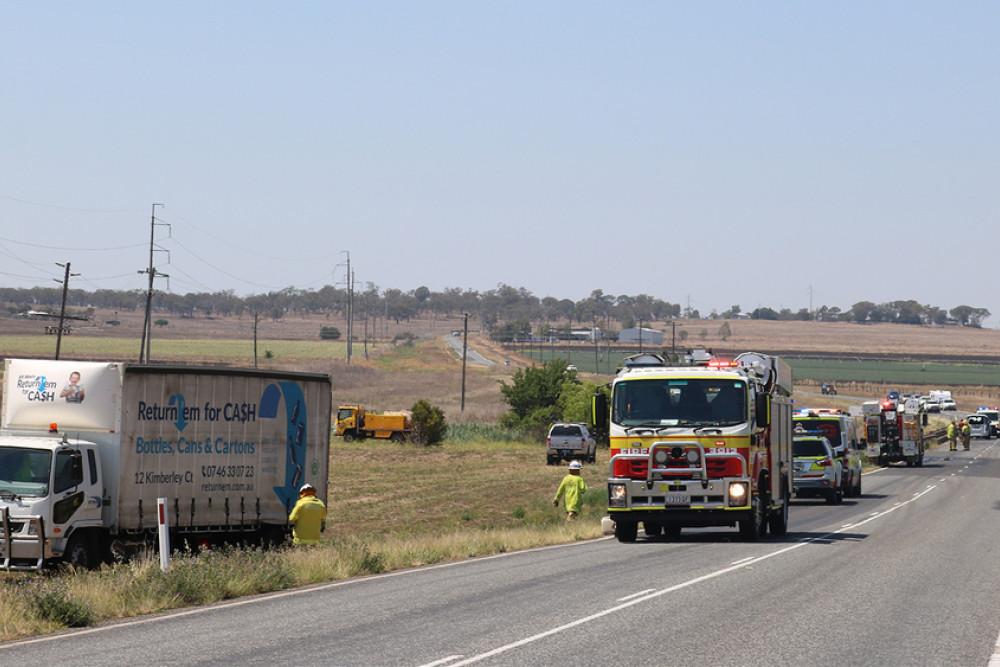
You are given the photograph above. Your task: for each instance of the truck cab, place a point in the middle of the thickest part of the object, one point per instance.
(51, 493)
(349, 419)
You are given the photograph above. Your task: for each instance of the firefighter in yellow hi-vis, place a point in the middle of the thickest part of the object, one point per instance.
(573, 487)
(307, 516)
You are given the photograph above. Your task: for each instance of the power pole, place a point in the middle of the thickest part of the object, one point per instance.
(465, 352)
(62, 310)
(350, 301)
(597, 348)
(255, 316)
(147, 332)
(350, 309)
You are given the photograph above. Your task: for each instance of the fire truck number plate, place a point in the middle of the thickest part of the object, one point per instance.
(674, 498)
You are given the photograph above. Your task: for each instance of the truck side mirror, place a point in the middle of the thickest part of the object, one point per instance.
(599, 409)
(763, 406)
(924, 420)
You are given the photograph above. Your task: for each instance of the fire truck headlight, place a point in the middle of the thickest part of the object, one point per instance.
(692, 455)
(617, 497)
(660, 457)
(737, 494)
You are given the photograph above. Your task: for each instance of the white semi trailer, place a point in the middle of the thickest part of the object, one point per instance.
(87, 448)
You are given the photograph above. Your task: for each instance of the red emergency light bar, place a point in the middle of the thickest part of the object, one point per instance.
(721, 363)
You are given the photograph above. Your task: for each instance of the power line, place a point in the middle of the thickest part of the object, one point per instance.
(230, 275)
(52, 247)
(67, 208)
(229, 243)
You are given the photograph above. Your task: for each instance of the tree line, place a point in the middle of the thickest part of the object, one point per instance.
(494, 308)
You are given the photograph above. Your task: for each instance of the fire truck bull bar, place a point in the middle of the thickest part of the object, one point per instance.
(685, 445)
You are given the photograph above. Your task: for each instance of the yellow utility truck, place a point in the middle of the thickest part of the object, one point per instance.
(355, 422)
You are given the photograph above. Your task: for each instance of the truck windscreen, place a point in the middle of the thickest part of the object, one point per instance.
(663, 402)
(25, 472)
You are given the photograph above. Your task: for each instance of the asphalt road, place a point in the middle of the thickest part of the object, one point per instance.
(471, 355)
(908, 574)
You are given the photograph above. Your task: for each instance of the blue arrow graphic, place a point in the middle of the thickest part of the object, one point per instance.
(295, 434)
(178, 400)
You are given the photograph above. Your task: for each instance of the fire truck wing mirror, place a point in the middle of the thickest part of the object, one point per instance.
(924, 420)
(763, 410)
(599, 409)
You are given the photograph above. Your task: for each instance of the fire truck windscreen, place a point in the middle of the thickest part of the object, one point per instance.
(661, 402)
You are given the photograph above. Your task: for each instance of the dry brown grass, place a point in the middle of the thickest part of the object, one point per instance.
(843, 337)
(406, 490)
(393, 378)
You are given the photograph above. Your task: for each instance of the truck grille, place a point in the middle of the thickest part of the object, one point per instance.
(717, 467)
(15, 527)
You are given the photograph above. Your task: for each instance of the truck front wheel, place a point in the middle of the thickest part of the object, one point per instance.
(348, 436)
(81, 552)
(754, 526)
(777, 520)
(626, 531)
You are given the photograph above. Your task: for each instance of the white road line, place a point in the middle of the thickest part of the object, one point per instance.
(691, 582)
(635, 595)
(742, 560)
(442, 661)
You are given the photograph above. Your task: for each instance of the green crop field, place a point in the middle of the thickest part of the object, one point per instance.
(584, 358)
(892, 372)
(819, 370)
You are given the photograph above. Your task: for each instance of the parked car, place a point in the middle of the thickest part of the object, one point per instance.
(979, 425)
(569, 441)
(816, 471)
(930, 404)
(841, 430)
(947, 404)
(992, 414)
(829, 388)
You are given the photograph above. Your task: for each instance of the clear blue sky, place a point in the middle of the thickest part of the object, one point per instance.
(711, 153)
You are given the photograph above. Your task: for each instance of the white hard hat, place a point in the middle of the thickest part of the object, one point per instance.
(306, 488)
(575, 465)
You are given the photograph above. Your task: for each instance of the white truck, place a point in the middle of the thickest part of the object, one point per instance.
(87, 448)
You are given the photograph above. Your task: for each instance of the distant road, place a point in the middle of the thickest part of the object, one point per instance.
(471, 356)
(950, 414)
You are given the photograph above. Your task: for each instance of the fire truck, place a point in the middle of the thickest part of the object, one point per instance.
(708, 444)
(894, 432)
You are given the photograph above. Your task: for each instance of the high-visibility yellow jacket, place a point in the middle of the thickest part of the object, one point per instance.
(307, 520)
(573, 487)
(951, 431)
